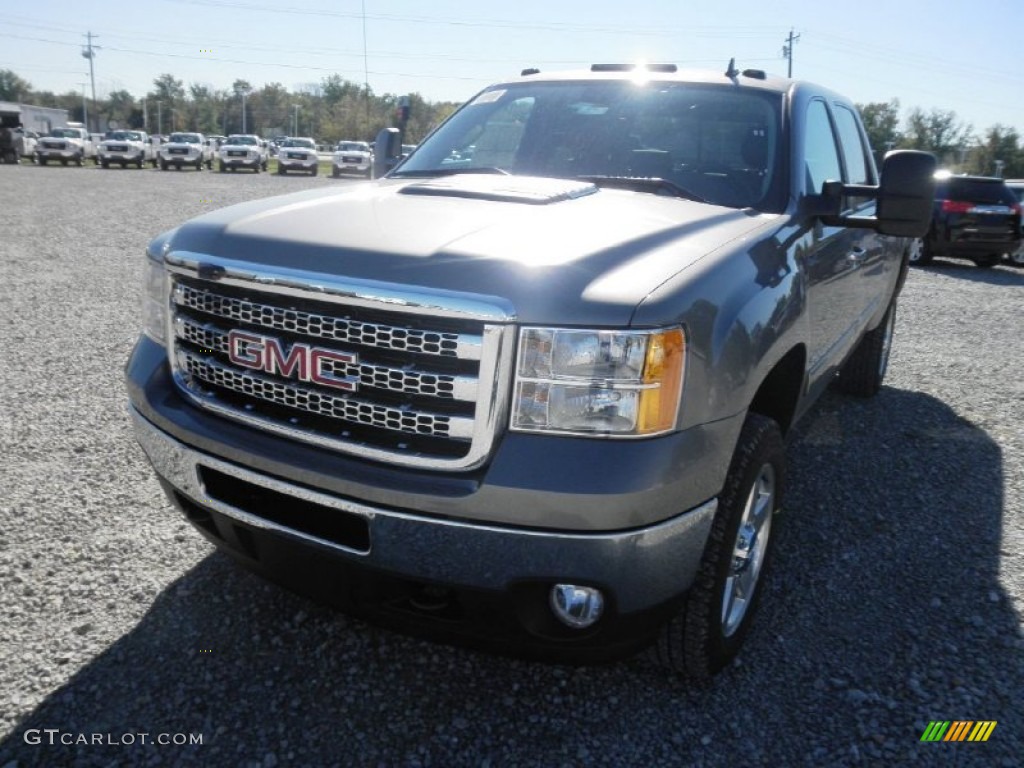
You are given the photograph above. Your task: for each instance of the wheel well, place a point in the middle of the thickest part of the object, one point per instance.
(779, 393)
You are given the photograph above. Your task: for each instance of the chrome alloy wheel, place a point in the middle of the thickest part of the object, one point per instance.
(748, 550)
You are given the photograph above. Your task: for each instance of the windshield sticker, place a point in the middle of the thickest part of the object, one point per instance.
(488, 97)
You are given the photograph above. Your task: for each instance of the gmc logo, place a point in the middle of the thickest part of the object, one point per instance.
(302, 362)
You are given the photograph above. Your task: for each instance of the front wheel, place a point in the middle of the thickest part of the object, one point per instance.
(708, 631)
(314, 171)
(919, 253)
(163, 166)
(862, 374)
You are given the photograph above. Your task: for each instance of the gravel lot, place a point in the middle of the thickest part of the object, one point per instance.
(896, 597)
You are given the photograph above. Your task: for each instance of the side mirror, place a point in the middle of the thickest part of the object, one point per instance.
(906, 193)
(903, 197)
(387, 151)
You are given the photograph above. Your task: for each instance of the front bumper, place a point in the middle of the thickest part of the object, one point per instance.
(120, 157)
(565, 518)
(60, 154)
(305, 164)
(342, 167)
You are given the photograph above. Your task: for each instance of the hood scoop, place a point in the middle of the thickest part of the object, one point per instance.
(507, 189)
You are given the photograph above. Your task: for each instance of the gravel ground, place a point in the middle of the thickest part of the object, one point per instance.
(896, 597)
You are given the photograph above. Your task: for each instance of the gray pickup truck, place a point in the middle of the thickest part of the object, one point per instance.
(532, 388)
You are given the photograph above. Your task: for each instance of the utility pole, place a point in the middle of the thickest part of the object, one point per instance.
(244, 94)
(85, 111)
(366, 70)
(295, 120)
(89, 52)
(787, 50)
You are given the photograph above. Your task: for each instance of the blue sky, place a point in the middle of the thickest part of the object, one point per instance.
(959, 56)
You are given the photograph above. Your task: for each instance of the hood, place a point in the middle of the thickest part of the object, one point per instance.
(562, 252)
(180, 144)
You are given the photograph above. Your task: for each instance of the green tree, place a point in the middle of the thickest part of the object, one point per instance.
(882, 123)
(1000, 145)
(13, 87)
(940, 132)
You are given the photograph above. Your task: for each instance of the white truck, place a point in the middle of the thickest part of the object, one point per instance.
(126, 147)
(185, 149)
(70, 144)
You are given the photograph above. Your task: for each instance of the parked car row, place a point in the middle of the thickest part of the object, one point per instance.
(187, 149)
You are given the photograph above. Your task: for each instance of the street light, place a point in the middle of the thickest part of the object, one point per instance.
(295, 120)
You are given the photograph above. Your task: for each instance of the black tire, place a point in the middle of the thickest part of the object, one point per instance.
(700, 639)
(335, 173)
(209, 164)
(315, 170)
(64, 162)
(163, 166)
(80, 160)
(220, 167)
(138, 163)
(256, 168)
(280, 170)
(264, 165)
(153, 163)
(919, 252)
(863, 373)
(95, 159)
(1017, 257)
(199, 164)
(987, 261)
(105, 163)
(43, 160)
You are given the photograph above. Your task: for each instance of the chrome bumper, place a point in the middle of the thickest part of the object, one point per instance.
(642, 568)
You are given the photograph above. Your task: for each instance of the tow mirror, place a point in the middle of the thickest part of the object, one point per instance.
(903, 197)
(387, 151)
(906, 193)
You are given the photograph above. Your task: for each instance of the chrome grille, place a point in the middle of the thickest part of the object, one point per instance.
(428, 387)
(322, 326)
(310, 400)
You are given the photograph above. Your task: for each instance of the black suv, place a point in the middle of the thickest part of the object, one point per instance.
(974, 217)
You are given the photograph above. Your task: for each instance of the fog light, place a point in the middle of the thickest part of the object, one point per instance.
(576, 606)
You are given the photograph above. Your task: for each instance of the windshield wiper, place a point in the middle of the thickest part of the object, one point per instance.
(429, 172)
(654, 184)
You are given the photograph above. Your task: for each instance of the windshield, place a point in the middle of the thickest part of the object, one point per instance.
(304, 143)
(353, 146)
(249, 141)
(65, 133)
(120, 136)
(184, 138)
(720, 143)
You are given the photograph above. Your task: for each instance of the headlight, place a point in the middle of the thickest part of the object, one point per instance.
(154, 302)
(609, 383)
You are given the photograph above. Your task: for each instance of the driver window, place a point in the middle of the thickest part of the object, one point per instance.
(820, 152)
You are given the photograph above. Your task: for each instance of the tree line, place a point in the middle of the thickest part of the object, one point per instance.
(331, 110)
(335, 109)
(997, 151)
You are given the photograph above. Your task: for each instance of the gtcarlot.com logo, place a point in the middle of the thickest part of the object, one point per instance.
(54, 736)
(958, 730)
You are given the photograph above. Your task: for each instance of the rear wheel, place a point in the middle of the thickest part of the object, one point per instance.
(314, 171)
(138, 163)
(163, 165)
(919, 252)
(1017, 257)
(864, 371)
(43, 160)
(987, 261)
(280, 169)
(718, 610)
(80, 160)
(335, 173)
(105, 163)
